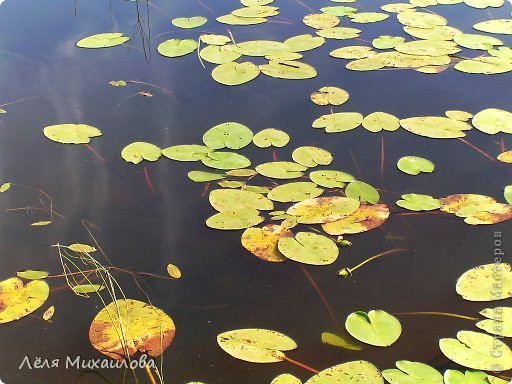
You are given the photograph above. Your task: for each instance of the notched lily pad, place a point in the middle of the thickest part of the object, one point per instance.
(177, 47)
(366, 218)
(323, 209)
(329, 96)
(281, 170)
(271, 137)
(414, 165)
(262, 242)
(309, 248)
(311, 156)
(376, 327)
(138, 151)
(189, 22)
(71, 133)
(413, 373)
(478, 284)
(359, 371)
(235, 73)
(18, 300)
(230, 135)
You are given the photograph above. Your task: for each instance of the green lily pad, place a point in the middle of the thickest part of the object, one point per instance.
(311, 156)
(435, 127)
(242, 172)
(233, 199)
(330, 96)
(261, 47)
(321, 20)
(507, 193)
(293, 70)
(492, 121)
(81, 248)
(352, 52)
(501, 26)
(478, 284)
(219, 54)
(202, 176)
(138, 151)
(331, 178)
(397, 7)
(339, 33)
(360, 371)
(474, 350)
(103, 40)
(237, 20)
(452, 376)
(295, 192)
(376, 327)
(420, 19)
(337, 341)
(254, 3)
(487, 65)
(256, 11)
(498, 322)
(503, 52)
(5, 187)
(428, 47)
(225, 160)
(416, 202)
(482, 4)
(281, 170)
(186, 152)
(362, 191)
(256, 345)
(414, 165)
(440, 32)
(231, 184)
(177, 47)
(228, 135)
(387, 42)
(338, 122)
(367, 17)
(235, 73)
(271, 137)
(285, 56)
(305, 42)
(339, 10)
(256, 188)
(19, 300)
(235, 219)
(309, 248)
(323, 209)
(71, 133)
(214, 39)
(459, 115)
(118, 83)
(412, 372)
(189, 22)
(32, 275)
(378, 121)
(84, 289)
(474, 41)
(286, 378)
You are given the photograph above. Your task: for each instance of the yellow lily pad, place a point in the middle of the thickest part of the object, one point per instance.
(366, 218)
(492, 121)
(330, 96)
(262, 242)
(18, 300)
(323, 209)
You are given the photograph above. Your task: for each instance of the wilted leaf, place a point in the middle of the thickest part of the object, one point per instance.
(478, 284)
(309, 248)
(262, 242)
(323, 209)
(18, 300)
(71, 133)
(359, 371)
(476, 209)
(376, 327)
(366, 218)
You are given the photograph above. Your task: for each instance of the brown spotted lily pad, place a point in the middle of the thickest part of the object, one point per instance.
(366, 217)
(476, 209)
(143, 328)
(262, 242)
(18, 300)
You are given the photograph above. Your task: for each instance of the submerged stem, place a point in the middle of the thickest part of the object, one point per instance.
(345, 272)
(437, 314)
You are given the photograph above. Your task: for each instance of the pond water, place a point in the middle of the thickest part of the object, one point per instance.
(223, 286)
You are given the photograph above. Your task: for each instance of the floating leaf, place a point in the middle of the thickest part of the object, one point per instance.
(242, 172)
(256, 345)
(214, 39)
(83, 248)
(302, 43)
(492, 121)
(281, 170)
(232, 199)
(323, 209)
(337, 341)
(397, 7)
(368, 17)
(359, 371)
(103, 40)
(295, 192)
(138, 151)
(339, 33)
(452, 376)
(5, 187)
(329, 95)
(414, 165)
(338, 122)
(352, 52)
(485, 65)
(473, 41)
(257, 11)
(435, 127)
(420, 19)
(41, 223)
(256, 188)
(18, 300)
(366, 218)
(371, 63)
(32, 275)
(503, 52)
(189, 22)
(271, 137)
(261, 47)
(286, 378)
(84, 289)
(377, 121)
(412, 372)
(293, 70)
(2, 111)
(231, 184)
(309, 248)
(177, 47)
(331, 178)
(416, 202)
(339, 10)
(228, 135)
(482, 4)
(173, 271)
(285, 56)
(501, 26)
(186, 152)
(71, 133)
(387, 42)
(428, 47)
(321, 20)
(376, 327)
(235, 219)
(440, 32)
(474, 350)
(262, 242)
(498, 322)
(48, 314)
(225, 160)
(476, 209)
(144, 327)
(235, 73)
(507, 193)
(119, 83)
(202, 176)
(236, 20)
(478, 284)
(254, 3)
(362, 191)
(311, 156)
(219, 54)
(459, 115)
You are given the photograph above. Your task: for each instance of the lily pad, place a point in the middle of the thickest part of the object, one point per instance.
(337, 341)
(362, 191)
(281, 170)
(235, 219)
(331, 178)
(226, 160)
(412, 372)
(103, 40)
(257, 11)
(397, 7)
(311, 156)
(321, 20)
(366, 218)
(507, 193)
(478, 284)
(262, 242)
(459, 115)
(367, 17)
(378, 121)
(501, 26)
(143, 327)
(271, 137)
(451, 376)
(295, 192)
(237, 20)
(492, 121)
(359, 371)
(231, 184)
(254, 3)
(505, 157)
(476, 209)
(440, 32)
(173, 271)
(30, 274)
(338, 122)
(352, 52)
(285, 56)
(498, 322)
(503, 52)
(435, 127)
(309, 248)
(71, 133)
(177, 47)
(219, 54)
(387, 42)
(19, 300)
(261, 47)
(202, 176)
(376, 327)
(214, 39)
(232, 199)
(189, 22)
(339, 33)
(474, 350)
(485, 65)
(228, 135)
(339, 10)
(323, 209)
(417, 202)
(286, 378)
(414, 165)
(420, 19)
(81, 248)
(474, 41)
(235, 73)
(138, 151)
(191, 152)
(305, 42)
(330, 96)
(428, 47)
(293, 70)
(84, 289)
(256, 345)
(482, 4)
(5, 187)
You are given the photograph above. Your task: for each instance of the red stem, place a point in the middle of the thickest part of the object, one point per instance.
(146, 174)
(477, 149)
(301, 365)
(382, 159)
(274, 154)
(94, 152)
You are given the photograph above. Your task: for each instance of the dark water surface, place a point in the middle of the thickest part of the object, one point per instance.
(223, 286)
